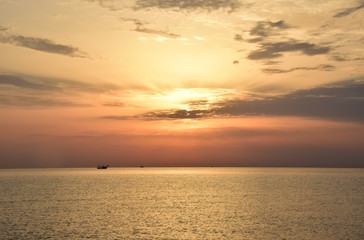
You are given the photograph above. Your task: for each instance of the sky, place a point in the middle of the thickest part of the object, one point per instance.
(181, 83)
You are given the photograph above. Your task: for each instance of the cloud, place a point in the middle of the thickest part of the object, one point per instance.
(177, 114)
(119, 117)
(107, 4)
(255, 40)
(344, 101)
(113, 104)
(188, 5)
(157, 32)
(275, 50)
(140, 27)
(197, 103)
(268, 28)
(269, 49)
(17, 90)
(262, 30)
(41, 44)
(340, 58)
(235, 62)
(238, 38)
(2, 28)
(322, 67)
(22, 83)
(349, 11)
(50, 84)
(136, 21)
(39, 101)
(271, 62)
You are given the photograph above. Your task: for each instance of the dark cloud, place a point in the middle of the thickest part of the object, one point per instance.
(275, 50)
(349, 11)
(235, 62)
(262, 30)
(268, 28)
(177, 114)
(269, 49)
(343, 101)
(323, 67)
(2, 28)
(336, 102)
(188, 5)
(41, 44)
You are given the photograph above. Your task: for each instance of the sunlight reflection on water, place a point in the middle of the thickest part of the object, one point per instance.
(182, 203)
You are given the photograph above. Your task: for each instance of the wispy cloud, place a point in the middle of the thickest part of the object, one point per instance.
(162, 33)
(349, 11)
(140, 26)
(188, 5)
(341, 58)
(322, 67)
(50, 84)
(20, 82)
(107, 4)
(17, 90)
(7, 99)
(113, 104)
(40, 44)
(269, 50)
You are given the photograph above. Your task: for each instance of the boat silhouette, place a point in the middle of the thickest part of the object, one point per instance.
(102, 166)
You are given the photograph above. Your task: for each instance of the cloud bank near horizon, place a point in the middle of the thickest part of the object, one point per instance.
(341, 101)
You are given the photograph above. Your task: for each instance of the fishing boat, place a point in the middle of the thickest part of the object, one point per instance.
(102, 166)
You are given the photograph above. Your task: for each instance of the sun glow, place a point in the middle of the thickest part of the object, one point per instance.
(193, 98)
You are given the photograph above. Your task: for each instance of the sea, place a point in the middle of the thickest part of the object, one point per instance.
(182, 203)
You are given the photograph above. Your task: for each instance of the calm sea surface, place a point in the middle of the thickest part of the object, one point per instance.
(182, 203)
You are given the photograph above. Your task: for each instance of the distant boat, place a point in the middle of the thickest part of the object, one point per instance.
(102, 166)
(141, 166)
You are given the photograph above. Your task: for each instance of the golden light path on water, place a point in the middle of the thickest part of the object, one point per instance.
(182, 203)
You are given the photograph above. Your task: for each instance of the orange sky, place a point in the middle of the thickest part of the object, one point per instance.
(181, 83)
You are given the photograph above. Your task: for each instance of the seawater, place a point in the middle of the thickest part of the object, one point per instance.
(182, 203)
